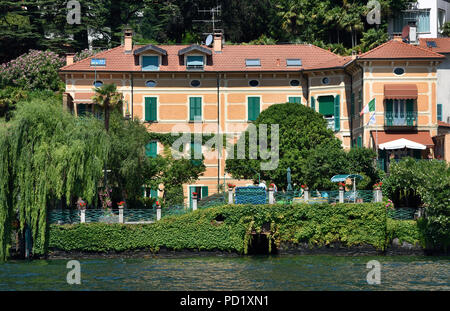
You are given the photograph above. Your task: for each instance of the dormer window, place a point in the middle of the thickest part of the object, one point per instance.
(195, 62)
(253, 62)
(194, 56)
(150, 63)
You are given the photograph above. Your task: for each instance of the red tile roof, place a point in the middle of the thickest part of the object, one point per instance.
(399, 50)
(232, 58)
(442, 45)
(422, 137)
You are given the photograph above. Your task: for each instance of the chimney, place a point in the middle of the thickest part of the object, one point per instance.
(218, 42)
(128, 40)
(398, 38)
(69, 58)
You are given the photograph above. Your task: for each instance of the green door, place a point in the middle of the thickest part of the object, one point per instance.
(151, 150)
(150, 109)
(195, 109)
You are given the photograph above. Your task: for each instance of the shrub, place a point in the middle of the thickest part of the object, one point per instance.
(33, 70)
(426, 183)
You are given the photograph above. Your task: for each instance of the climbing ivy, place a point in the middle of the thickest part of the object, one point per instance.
(317, 225)
(46, 155)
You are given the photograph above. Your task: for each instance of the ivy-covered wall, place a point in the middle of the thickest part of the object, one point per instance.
(228, 228)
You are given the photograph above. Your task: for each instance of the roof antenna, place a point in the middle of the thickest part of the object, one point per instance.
(215, 12)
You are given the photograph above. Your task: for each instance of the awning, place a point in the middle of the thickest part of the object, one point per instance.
(401, 144)
(422, 138)
(400, 91)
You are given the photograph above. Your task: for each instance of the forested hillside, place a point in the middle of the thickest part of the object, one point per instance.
(336, 24)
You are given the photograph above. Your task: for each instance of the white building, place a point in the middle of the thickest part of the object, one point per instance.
(428, 15)
(442, 46)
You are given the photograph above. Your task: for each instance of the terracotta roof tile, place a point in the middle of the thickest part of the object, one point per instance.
(442, 45)
(399, 50)
(232, 58)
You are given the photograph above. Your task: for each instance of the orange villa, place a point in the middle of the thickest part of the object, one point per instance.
(225, 87)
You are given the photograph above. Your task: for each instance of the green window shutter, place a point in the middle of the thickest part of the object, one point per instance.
(359, 142)
(150, 109)
(195, 109)
(254, 107)
(204, 192)
(389, 114)
(389, 105)
(337, 113)
(326, 105)
(295, 100)
(360, 101)
(352, 105)
(439, 112)
(409, 105)
(410, 112)
(151, 149)
(313, 103)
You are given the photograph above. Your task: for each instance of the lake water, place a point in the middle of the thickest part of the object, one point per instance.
(231, 273)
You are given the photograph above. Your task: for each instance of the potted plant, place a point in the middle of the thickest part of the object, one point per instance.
(305, 187)
(231, 186)
(377, 186)
(341, 186)
(121, 204)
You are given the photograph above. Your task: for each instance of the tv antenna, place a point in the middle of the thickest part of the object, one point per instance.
(215, 12)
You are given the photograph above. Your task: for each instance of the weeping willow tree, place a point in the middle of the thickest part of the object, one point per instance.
(46, 154)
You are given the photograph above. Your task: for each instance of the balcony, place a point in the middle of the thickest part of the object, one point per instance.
(402, 119)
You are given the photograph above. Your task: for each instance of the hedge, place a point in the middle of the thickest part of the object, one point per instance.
(228, 228)
(405, 230)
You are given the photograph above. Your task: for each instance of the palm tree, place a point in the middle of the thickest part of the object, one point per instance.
(108, 98)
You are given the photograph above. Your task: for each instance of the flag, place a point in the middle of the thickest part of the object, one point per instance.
(372, 120)
(370, 107)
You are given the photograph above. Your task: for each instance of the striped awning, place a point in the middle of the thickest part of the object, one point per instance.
(400, 91)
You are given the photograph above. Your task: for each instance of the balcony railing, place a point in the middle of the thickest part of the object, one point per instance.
(400, 119)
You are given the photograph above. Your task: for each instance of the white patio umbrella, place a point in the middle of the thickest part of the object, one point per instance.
(401, 144)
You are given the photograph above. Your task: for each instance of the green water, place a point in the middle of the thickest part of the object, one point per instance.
(221, 273)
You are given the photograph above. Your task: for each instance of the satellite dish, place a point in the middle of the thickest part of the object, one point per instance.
(209, 40)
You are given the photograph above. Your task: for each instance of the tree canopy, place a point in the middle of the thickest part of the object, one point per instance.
(306, 145)
(336, 24)
(46, 155)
